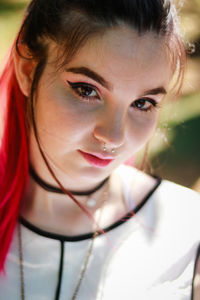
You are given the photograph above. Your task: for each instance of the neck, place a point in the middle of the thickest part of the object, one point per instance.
(51, 188)
(59, 214)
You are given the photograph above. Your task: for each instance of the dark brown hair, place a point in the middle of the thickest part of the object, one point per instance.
(70, 23)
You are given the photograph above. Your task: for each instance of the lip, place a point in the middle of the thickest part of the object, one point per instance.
(97, 159)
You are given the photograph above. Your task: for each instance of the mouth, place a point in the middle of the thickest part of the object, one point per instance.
(97, 159)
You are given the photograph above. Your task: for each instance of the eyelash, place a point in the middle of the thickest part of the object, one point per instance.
(153, 104)
(75, 86)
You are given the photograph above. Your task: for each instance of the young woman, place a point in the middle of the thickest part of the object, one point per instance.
(80, 95)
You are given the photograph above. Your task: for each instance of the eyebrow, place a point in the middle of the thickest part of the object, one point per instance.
(91, 74)
(156, 91)
(98, 78)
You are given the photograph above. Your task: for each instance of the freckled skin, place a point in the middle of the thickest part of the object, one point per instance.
(131, 64)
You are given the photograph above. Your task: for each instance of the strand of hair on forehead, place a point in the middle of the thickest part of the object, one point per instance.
(65, 191)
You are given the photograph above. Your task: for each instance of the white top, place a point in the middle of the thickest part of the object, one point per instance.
(149, 256)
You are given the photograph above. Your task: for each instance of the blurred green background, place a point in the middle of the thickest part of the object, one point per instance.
(175, 149)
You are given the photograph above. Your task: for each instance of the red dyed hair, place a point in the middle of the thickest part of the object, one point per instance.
(14, 162)
(13, 155)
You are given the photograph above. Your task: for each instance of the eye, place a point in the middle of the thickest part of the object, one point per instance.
(84, 90)
(145, 104)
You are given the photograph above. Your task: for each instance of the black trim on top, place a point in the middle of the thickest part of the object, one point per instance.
(197, 259)
(57, 295)
(86, 236)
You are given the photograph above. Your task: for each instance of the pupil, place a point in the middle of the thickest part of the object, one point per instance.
(140, 103)
(86, 91)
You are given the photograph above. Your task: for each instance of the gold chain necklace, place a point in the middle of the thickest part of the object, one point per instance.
(85, 264)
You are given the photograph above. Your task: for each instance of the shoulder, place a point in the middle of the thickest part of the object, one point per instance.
(182, 204)
(178, 196)
(177, 212)
(170, 200)
(163, 235)
(174, 192)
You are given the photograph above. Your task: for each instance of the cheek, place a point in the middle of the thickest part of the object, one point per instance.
(59, 118)
(142, 129)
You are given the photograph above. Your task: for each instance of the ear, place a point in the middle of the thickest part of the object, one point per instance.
(24, 68)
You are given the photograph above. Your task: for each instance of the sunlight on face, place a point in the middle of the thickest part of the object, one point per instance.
(110, 93)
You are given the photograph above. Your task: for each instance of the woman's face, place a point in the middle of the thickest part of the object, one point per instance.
(109, 93)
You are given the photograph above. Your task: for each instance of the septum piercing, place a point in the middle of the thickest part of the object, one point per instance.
(105, 148)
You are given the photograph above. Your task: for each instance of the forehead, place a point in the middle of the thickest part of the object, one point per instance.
(122, 54)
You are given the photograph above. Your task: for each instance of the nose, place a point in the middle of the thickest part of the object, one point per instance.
(110, 130)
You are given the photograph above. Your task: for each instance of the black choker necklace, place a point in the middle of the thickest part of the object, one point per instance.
(53, 189)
